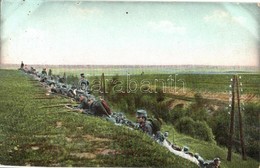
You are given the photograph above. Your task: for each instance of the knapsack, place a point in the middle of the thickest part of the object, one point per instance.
(105, 105)
(155, 124)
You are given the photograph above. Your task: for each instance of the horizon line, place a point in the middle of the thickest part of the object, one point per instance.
(135, 65)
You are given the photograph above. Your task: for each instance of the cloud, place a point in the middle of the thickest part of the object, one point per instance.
(166, 26)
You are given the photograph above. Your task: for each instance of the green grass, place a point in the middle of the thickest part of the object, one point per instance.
(211, 83)
(33, 134)
(209, 150)
(37, 136)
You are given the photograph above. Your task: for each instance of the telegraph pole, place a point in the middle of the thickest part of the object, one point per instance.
(242, 143)
(103, 85)
(235, 86)
(231, 130)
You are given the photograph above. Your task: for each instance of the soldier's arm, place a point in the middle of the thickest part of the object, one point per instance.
(149, 130)
(88, 112)
(80, 106)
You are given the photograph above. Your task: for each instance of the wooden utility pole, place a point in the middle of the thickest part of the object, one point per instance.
(242, 143)
(103, 85)
(231, 130)
(235, 84)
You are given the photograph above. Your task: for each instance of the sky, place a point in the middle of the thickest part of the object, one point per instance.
(129, 33)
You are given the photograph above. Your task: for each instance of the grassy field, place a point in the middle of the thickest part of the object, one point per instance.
(110, 70)
(196, 82)
(37, 130)
(32, 133)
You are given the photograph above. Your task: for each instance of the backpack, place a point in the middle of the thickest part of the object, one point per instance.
(105, 105)
(155, 124)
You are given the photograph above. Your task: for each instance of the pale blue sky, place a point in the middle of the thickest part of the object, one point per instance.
(151, 33)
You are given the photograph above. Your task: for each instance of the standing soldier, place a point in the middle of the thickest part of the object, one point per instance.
(83, 83)
(22, 65)
(50, 72)
(144, 125)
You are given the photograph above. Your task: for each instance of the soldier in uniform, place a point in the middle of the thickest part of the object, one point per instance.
(200, 159)
(213, 163)
(44, 71)
(83, 102)
(144, 125)
(25, 68)
(43, 76)
(83, 82)
(96, 108)
(22, 65)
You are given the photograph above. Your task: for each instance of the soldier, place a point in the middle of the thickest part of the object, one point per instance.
(61, 79)
(50, 72)
(82, 76)
(32, 71)
(83, 103)
(22, 65)
(200, 159)
(25, 68)
(185, 149)
(43, 76)
(213, 163)
(96, 108)
(83, 83)
(44, 71)
(144, 125)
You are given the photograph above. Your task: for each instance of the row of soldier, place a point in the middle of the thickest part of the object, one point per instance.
(90, 105)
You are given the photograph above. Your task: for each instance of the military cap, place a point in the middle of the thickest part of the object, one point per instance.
(141, 113)
(185, 149)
